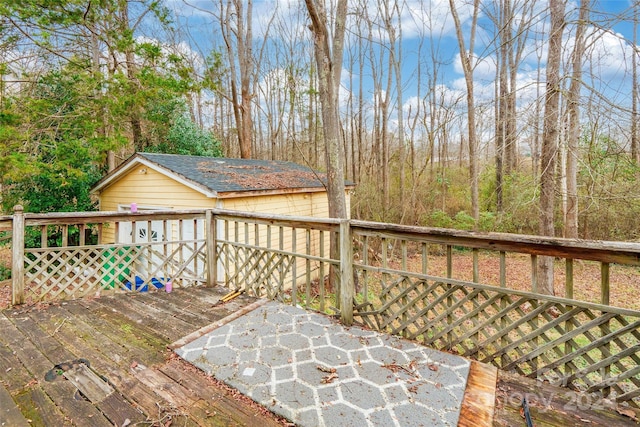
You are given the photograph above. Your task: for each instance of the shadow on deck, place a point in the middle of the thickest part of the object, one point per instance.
(114, 349)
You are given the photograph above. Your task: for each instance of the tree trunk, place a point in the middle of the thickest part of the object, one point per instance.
(134, 114)
(550, 141)
(466, 57)
(635, 144)
(395, 61)
(573, 105)
(501, 108)
(328, 55)
(239, 26)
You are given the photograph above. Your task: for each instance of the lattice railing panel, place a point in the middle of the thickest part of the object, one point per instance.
(260, 273)
(590, 348)
(72, 272)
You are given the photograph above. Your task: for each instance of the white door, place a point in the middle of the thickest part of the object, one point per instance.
(150, 264)
(191, 253)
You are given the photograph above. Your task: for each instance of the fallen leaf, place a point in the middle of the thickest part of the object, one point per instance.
(327, 379)
(627, 412)
(433, 367)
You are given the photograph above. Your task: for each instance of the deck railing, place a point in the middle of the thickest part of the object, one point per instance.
(388, 276)
(70, 255)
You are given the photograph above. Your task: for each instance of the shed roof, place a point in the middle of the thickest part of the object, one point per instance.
(220, 177)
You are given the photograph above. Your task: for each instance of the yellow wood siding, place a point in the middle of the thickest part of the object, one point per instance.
(303, 204)
(151, 189)
(282, 204)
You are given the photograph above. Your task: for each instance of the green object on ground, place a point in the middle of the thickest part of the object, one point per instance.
(117, 265)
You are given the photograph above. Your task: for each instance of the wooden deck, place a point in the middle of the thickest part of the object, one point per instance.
(554, 406)
(133, 379)
(104, 362)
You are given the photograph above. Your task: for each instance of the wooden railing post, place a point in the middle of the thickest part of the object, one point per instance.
(346, 274)
(17, 265)
(212, 249)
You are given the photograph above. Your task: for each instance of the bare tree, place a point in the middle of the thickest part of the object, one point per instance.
(328, 54)
(550, 133)
(237, 31)
(573, 106)
(467, 60)
(635, 144)
(394, 32)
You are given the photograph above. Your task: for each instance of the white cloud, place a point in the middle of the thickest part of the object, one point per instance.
(608, 54)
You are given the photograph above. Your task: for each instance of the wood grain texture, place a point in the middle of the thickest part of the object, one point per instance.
(10, 414)
(130, 378)
(551, 406)
(479, 397)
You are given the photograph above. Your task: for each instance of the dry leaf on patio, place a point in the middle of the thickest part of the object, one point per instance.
(393, 367)
(433, 367)
(325, 369)
(327, 379)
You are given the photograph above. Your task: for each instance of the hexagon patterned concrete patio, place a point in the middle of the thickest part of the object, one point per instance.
(315, 372)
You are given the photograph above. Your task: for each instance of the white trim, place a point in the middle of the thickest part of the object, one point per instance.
(139, 161)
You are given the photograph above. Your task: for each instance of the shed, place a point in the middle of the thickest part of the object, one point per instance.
(153, 181)
(171, 181)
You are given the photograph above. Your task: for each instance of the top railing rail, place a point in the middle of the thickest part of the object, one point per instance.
(603, 251)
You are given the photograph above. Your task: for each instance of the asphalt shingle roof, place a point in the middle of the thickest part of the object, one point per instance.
(235, 175)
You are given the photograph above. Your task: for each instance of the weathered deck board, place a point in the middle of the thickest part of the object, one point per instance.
(119, 337)
(9, 412)
(479, 397)
(152, 318)
(200, 386)
(107, 356)
(13, 375)
(39, 408)
(62, 393)
(550, 405)
(58, 353)
(138, 341)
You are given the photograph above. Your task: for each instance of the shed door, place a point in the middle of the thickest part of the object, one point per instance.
(141, 235)
(193, 236)
(149, 262)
